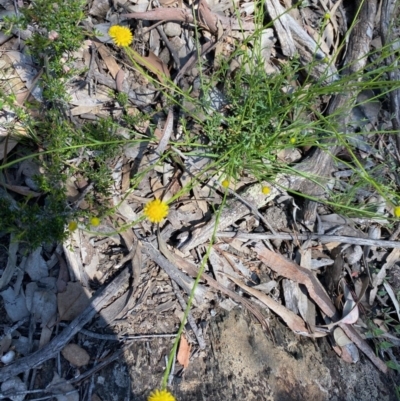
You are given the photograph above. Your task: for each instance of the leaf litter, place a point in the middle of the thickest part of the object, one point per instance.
(91, 260)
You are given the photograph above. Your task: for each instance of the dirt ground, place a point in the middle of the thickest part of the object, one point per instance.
(243, 363)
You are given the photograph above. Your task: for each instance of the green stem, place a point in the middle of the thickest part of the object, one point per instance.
(190, 300)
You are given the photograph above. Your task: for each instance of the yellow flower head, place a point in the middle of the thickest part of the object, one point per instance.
(225, 183)
(95, 221)
(292, 140)
(72, 225)
(161, 395)
(266, 190)
(120, 35)
(156, 210)
(396, 211)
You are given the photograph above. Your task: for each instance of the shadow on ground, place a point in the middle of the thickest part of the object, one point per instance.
(242, 363)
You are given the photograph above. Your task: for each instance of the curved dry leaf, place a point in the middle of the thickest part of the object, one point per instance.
(350, 309)
(73, 301)
(393, 257)
(62, 390)
(36, 266)
(350, 353)
(15, 384)
(393, 297)
(184, 352)
(119, 80)
(14, 304)
(20, 189)
(44, 305)
(340, 337)
(294, 322)
(5, 343)
(6, 147)
(24, 67)
(63, 274)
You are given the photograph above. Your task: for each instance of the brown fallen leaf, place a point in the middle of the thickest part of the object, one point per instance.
(153, 64)
(6, 146)
(108, 59)
(184, 352)
(73, 301)
(119, 80)
(62, 390)
(63, 275)
(19, 189)
(294, 322)
(293, 271)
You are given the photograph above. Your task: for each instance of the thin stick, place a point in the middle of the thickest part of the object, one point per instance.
(197, 332)
(320, 237)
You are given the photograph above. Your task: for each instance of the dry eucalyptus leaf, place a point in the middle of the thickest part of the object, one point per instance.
(294, 322)
(14, 384)
(73, 301)
(391, 259)
(350, 353)
(9, 271)
(41, 302)
(99, 8)
(47, 331)
(23, 65)
(221, 267)
(318, 263)
(59, 387)
(14, 304)
(350, 309)
(393, 297)
(75, 355)
(266, 288)
(36, 266)
(353, 254)
(6, 147)
(340, 337)
(22, 345)
(5, 343)
(184, 352)
(103, 29)
(44, 305)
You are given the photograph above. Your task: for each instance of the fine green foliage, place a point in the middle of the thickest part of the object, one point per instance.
(43, 220)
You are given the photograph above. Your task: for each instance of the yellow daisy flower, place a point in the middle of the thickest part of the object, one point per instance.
(156, 210)
(161, 395)
(396, 211)
(266, 190)
(95, 221)
(225, 183)
(72, 225)
(120, 35)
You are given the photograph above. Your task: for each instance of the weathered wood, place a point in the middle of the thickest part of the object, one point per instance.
(320, 163)
(387, 16)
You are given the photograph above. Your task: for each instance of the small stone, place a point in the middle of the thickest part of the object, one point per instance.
(172, 29)
(75, 355)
